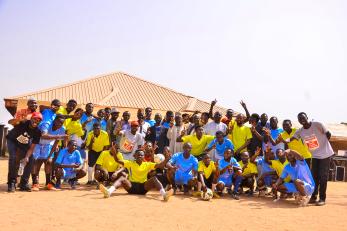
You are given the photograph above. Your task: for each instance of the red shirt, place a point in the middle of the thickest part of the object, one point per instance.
(23, 114)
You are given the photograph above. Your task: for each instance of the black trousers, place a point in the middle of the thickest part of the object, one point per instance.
(320, 173)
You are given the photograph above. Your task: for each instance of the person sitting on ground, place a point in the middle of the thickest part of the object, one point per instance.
(229, 171)
(207, 177)
(249, 172)
(302, 182)
(138, 182)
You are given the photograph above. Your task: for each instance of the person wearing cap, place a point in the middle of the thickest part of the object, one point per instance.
(111, 124)
(21, 142)
(97, 141)
(130, 141)
(24, 114)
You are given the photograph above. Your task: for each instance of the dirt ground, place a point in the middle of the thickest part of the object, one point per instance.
(86, 209)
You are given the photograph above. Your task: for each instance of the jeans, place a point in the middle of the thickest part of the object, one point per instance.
(320, 173)
(13, 164)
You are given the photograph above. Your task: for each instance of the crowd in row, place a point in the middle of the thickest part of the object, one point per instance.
(202, 152)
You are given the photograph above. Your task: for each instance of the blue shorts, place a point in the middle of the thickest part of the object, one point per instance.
(41, 151)
(182, 177)
(82, 152)
(68, 173)
(292, 189)
(268, 181)
(226, 181)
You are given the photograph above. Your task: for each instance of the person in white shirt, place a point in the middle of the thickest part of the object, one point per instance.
(216, 125)
(174, 132)
(130, 141)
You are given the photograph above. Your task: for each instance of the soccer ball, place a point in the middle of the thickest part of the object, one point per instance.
(208, 195)
(158, 158)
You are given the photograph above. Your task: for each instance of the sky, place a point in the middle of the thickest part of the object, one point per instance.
(280, 57)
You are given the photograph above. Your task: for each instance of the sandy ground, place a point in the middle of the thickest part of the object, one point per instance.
(86, 209)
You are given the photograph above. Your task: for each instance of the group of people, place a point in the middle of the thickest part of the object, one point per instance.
(194, 153)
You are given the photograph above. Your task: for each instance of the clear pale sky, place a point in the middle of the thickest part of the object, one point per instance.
(280, 57)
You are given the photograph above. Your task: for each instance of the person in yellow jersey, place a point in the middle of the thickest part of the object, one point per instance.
(138, 182)
(199, 141)
(240, 135)
(207, 177)
(249, 172)
(70, 106)
(294, 144)
(107, 169)
(97, 141)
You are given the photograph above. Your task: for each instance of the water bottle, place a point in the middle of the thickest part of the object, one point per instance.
(21, 169)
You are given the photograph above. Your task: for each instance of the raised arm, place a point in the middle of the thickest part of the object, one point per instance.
(210, 112)
(243, 104)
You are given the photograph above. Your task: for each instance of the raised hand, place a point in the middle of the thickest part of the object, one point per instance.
(243, 104)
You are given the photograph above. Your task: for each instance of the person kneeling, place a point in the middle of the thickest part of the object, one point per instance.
(302, 183)
(138, 183)
(69, 165)
(207, 175)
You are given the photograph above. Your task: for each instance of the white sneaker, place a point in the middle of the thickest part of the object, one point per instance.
(168, 194)
(104, 190)
(304, 200)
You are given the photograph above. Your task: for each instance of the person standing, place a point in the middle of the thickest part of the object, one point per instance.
(24, 114)
(316, 137)
(175, 131)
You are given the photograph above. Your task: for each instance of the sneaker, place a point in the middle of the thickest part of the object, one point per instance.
(320, 203)
(94, 182)
(89, 182)
(304, 200)
(51, 187)
(313, 200)
(216, 195)
(276, 199)
(261, 193)
(167, 195)
(58, 184)
(35, 188)
(25, 188)
(11, 188)
(104, 190)
(72, 184)
(235, 196)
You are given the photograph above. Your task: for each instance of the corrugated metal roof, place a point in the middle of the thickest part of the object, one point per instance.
(122, 90)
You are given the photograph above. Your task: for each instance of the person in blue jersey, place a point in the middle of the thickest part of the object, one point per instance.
(228, 171)
(169, 118)
(69, 165)
(88, 117)
(44, 152)
(101, 119)
(49, 114)
(182, 169)
(219, 144)
(272, 134)
(266, 175)
(148, 116)
(301, 183)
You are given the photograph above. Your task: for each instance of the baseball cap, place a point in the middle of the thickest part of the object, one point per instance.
(134, 124)
(36, 115)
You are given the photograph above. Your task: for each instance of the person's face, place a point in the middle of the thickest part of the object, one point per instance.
(140, 116)
(199, 131)
(303, 120)
(55, 107)
(58, 123)
(217, 117)
(149, 147)
(239, 119)
(157, 119)
(196, 119)
(78, 115)
(220, 138)
(134, 128)
(126, 116)
(252, 121)
(270, 155)
(178, 120)
(245, 157)
(228, 154)
(97, 130)
(114, 115)
(229, 114)
(263, 119)
(280, 154)
(287, 126)
(35, 122)
(139, 156)
(148, 113)
(32, 105)
(101, 113)
(169, 118)
(72, 146)
(89, 108)
(206, 160)
(187, 148)
(186, 119)
(107, 113)
(290, 157)
(71, 106)
(204, 118)
(273, 123)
